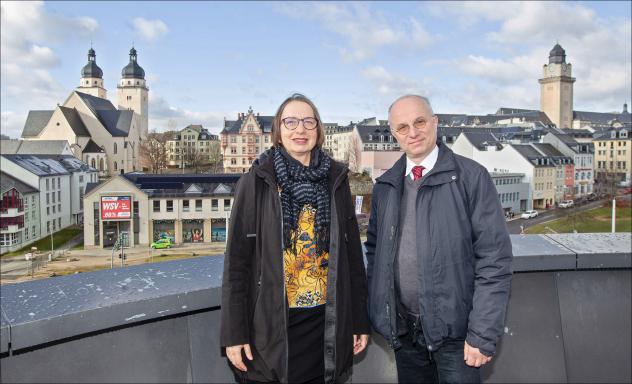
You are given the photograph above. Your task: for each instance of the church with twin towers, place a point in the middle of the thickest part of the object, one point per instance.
(106, 137)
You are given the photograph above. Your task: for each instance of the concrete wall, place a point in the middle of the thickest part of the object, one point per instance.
(568, 320)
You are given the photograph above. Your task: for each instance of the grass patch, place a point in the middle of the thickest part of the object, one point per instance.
(591, 221)
(71, 271)
(60, 238)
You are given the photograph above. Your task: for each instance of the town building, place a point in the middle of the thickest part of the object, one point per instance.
(185, 208)
(61, 182)
(564, 171)
(376, 149)
(338, 141)
(556, 89)
(583, 157)
(19, 213)
(242, 140)
(193, 145)
(101, 135)
(513, 192)
(500, 156)
(613, 152)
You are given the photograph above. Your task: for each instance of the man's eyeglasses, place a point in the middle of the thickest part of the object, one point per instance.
(291, 123)
(404, 129)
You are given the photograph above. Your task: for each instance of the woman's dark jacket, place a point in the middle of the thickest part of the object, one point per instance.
(464, 254)
(254, 302)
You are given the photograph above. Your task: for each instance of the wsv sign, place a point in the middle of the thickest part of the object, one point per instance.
(116, 207)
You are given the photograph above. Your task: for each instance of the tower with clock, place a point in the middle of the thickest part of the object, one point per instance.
(556, 89)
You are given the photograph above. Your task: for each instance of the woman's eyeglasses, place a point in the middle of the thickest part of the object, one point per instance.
(291, 123)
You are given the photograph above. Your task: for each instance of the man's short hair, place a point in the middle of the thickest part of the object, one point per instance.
(423, 99)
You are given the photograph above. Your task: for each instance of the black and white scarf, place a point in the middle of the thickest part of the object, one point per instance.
(301, 185)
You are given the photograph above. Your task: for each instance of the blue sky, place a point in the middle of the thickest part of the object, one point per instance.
(209, 60)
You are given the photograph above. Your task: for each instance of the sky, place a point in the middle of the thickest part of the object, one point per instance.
(207, 61)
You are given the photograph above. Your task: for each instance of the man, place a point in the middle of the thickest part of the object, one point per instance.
(439, 255)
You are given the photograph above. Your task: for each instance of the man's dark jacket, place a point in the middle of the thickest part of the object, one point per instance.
(254, 302)
(463, 253)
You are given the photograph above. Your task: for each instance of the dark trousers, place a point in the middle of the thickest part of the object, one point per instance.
(415, 364)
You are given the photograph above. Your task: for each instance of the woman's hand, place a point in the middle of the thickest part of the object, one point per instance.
(359, 343)
(234, 355)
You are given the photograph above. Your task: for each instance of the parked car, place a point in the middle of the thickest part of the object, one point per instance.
(529, 214)
(566, 204)
(162, 243)
(592, 197)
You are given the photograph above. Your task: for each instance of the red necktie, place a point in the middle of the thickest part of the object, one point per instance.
(417, 170)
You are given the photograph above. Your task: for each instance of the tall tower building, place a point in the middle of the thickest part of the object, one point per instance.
(133, 92)
(556, 89)
(92, 77)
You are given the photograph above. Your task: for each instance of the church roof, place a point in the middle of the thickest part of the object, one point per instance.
(92, 147)
(117, 123)
(35, 147)
(75, 121)
(35, 122)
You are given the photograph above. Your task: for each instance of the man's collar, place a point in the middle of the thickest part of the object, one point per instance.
(428, 162)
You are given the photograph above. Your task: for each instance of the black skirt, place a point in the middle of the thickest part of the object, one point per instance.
(306, 338)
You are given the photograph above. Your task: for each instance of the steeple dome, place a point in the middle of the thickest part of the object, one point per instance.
(133, 70)
(92, 69)
(557, 55)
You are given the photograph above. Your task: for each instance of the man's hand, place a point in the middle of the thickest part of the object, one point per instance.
(234, 355)
(473, 356)
(359, 343)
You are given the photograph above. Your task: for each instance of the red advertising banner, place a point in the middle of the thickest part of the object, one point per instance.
(116, 207)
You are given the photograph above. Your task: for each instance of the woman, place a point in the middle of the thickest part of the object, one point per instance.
(294, 286)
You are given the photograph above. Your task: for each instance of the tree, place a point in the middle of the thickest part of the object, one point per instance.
(153, 152)
(353, 155)
(215, 157)
(193, 157)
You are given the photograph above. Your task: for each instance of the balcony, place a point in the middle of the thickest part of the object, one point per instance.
(12, 212)
(12, 228)
(568, 320)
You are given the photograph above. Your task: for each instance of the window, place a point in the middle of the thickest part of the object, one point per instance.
(59, 208)
(169, 205)
(233, 161)
(115, 149)
(54, 225)
(59, 222)
(198, 205)
(226, 204)
(47, 211)
(156, 205)
(185, 205)
(115, 166)
(54, 210)
(58, 182)
(214, 205)
(81, 178)
(59, 195)
(47, 186)
(135, 209)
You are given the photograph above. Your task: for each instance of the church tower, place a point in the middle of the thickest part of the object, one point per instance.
(556, 89)
(92, 77)
(132, 91)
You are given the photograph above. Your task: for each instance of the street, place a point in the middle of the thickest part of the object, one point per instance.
(514, 225)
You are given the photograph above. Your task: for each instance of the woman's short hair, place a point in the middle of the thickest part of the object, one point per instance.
(276, 123)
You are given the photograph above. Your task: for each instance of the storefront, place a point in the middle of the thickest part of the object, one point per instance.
(218, 230)
(193, 231)
(164, 229)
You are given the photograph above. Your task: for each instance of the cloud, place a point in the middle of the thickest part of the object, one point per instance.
(28, 36)
(522, 33)
(163, 116)
(149, 30)
(389, 84)
(363, 32)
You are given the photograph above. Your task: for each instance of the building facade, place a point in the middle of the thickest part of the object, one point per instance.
(583, 158)
(193, 145)
(242, 140)
(513, 192)
(613, 157)
(19, 213)
(188, 208)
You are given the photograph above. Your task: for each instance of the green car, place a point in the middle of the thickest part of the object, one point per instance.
(161, 243)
